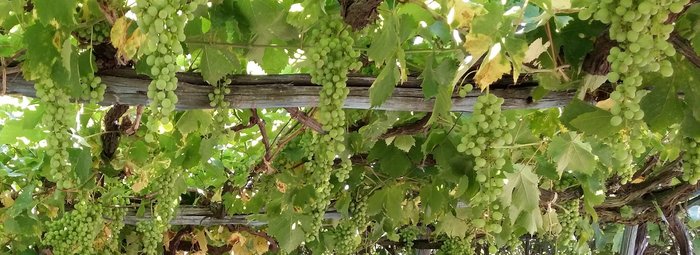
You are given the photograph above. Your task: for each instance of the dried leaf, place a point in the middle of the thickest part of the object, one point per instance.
(201, 239)
(261, 245)
(535, 49)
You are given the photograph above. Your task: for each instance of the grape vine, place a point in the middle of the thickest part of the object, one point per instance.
(331, 56)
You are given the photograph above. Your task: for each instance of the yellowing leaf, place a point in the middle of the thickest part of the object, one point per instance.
(127, 45)
(236, 238)
(139, 185)
(201, 239)
(238, 244)
(131, 47)
(477, 44)
(6, 199)
(119, 33)
(217, 196)
(605, 104)
(466, 11)
(261, 245)
(535, 49)
(491, 71)
(52, 212)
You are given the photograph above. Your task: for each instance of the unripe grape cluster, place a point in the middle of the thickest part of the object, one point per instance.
(58, 118)
(217, 100)
(94, 34)
(640, 28)
(75, 232)
(691, 160)
(114, 214)
(331, 56)
(485, 135)
(457, 246)
(568, 218)
(93, 89)
(163, 212)
(625, 148)
(409, 234)
(566, 181)
(163, 23)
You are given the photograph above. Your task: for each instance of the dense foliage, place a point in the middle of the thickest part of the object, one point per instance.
(618, 155)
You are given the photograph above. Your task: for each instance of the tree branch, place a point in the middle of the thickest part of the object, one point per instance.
(683, 46)
(305, 119)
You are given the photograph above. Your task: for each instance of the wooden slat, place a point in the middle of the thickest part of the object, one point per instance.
(296, 90)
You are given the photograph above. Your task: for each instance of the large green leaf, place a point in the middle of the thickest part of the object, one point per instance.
(60, 11)
(522, 194)
(662, 108)
(287, 229)
(569, 152)
(384, 85)
(216, 63)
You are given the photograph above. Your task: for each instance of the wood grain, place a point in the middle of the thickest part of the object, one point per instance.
(296, 90)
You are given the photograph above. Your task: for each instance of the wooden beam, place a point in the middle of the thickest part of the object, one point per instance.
(124, 86)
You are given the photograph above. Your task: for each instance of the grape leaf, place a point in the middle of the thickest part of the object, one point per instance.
(451, 225)
(9, 44)
(523, 195)
(596, 123)
(287, 229)
(433, 198)
(569, 152)
(387, 200)
(60, 11)
(217, 63)
(384, 85)
(404, 142)
(274, 60)
(193, 120)
(384, 47)
(662, 108)
(41, 52)
(81, 160)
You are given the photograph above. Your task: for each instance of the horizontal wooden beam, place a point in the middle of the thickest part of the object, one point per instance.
(124, 86)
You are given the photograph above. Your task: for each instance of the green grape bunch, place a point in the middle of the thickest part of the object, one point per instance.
(457, 246)
(408, 235)
(168, 200)
(217, 100)
(691, 160)
(94, 34)
(59, 117)
(640, 29)
(568, 218)
(93, 90)
(163, 22)
(485, 135)
(330, 56)
(75, 232)
(642, 34)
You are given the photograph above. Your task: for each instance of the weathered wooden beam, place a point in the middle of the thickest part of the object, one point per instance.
(272, 91)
